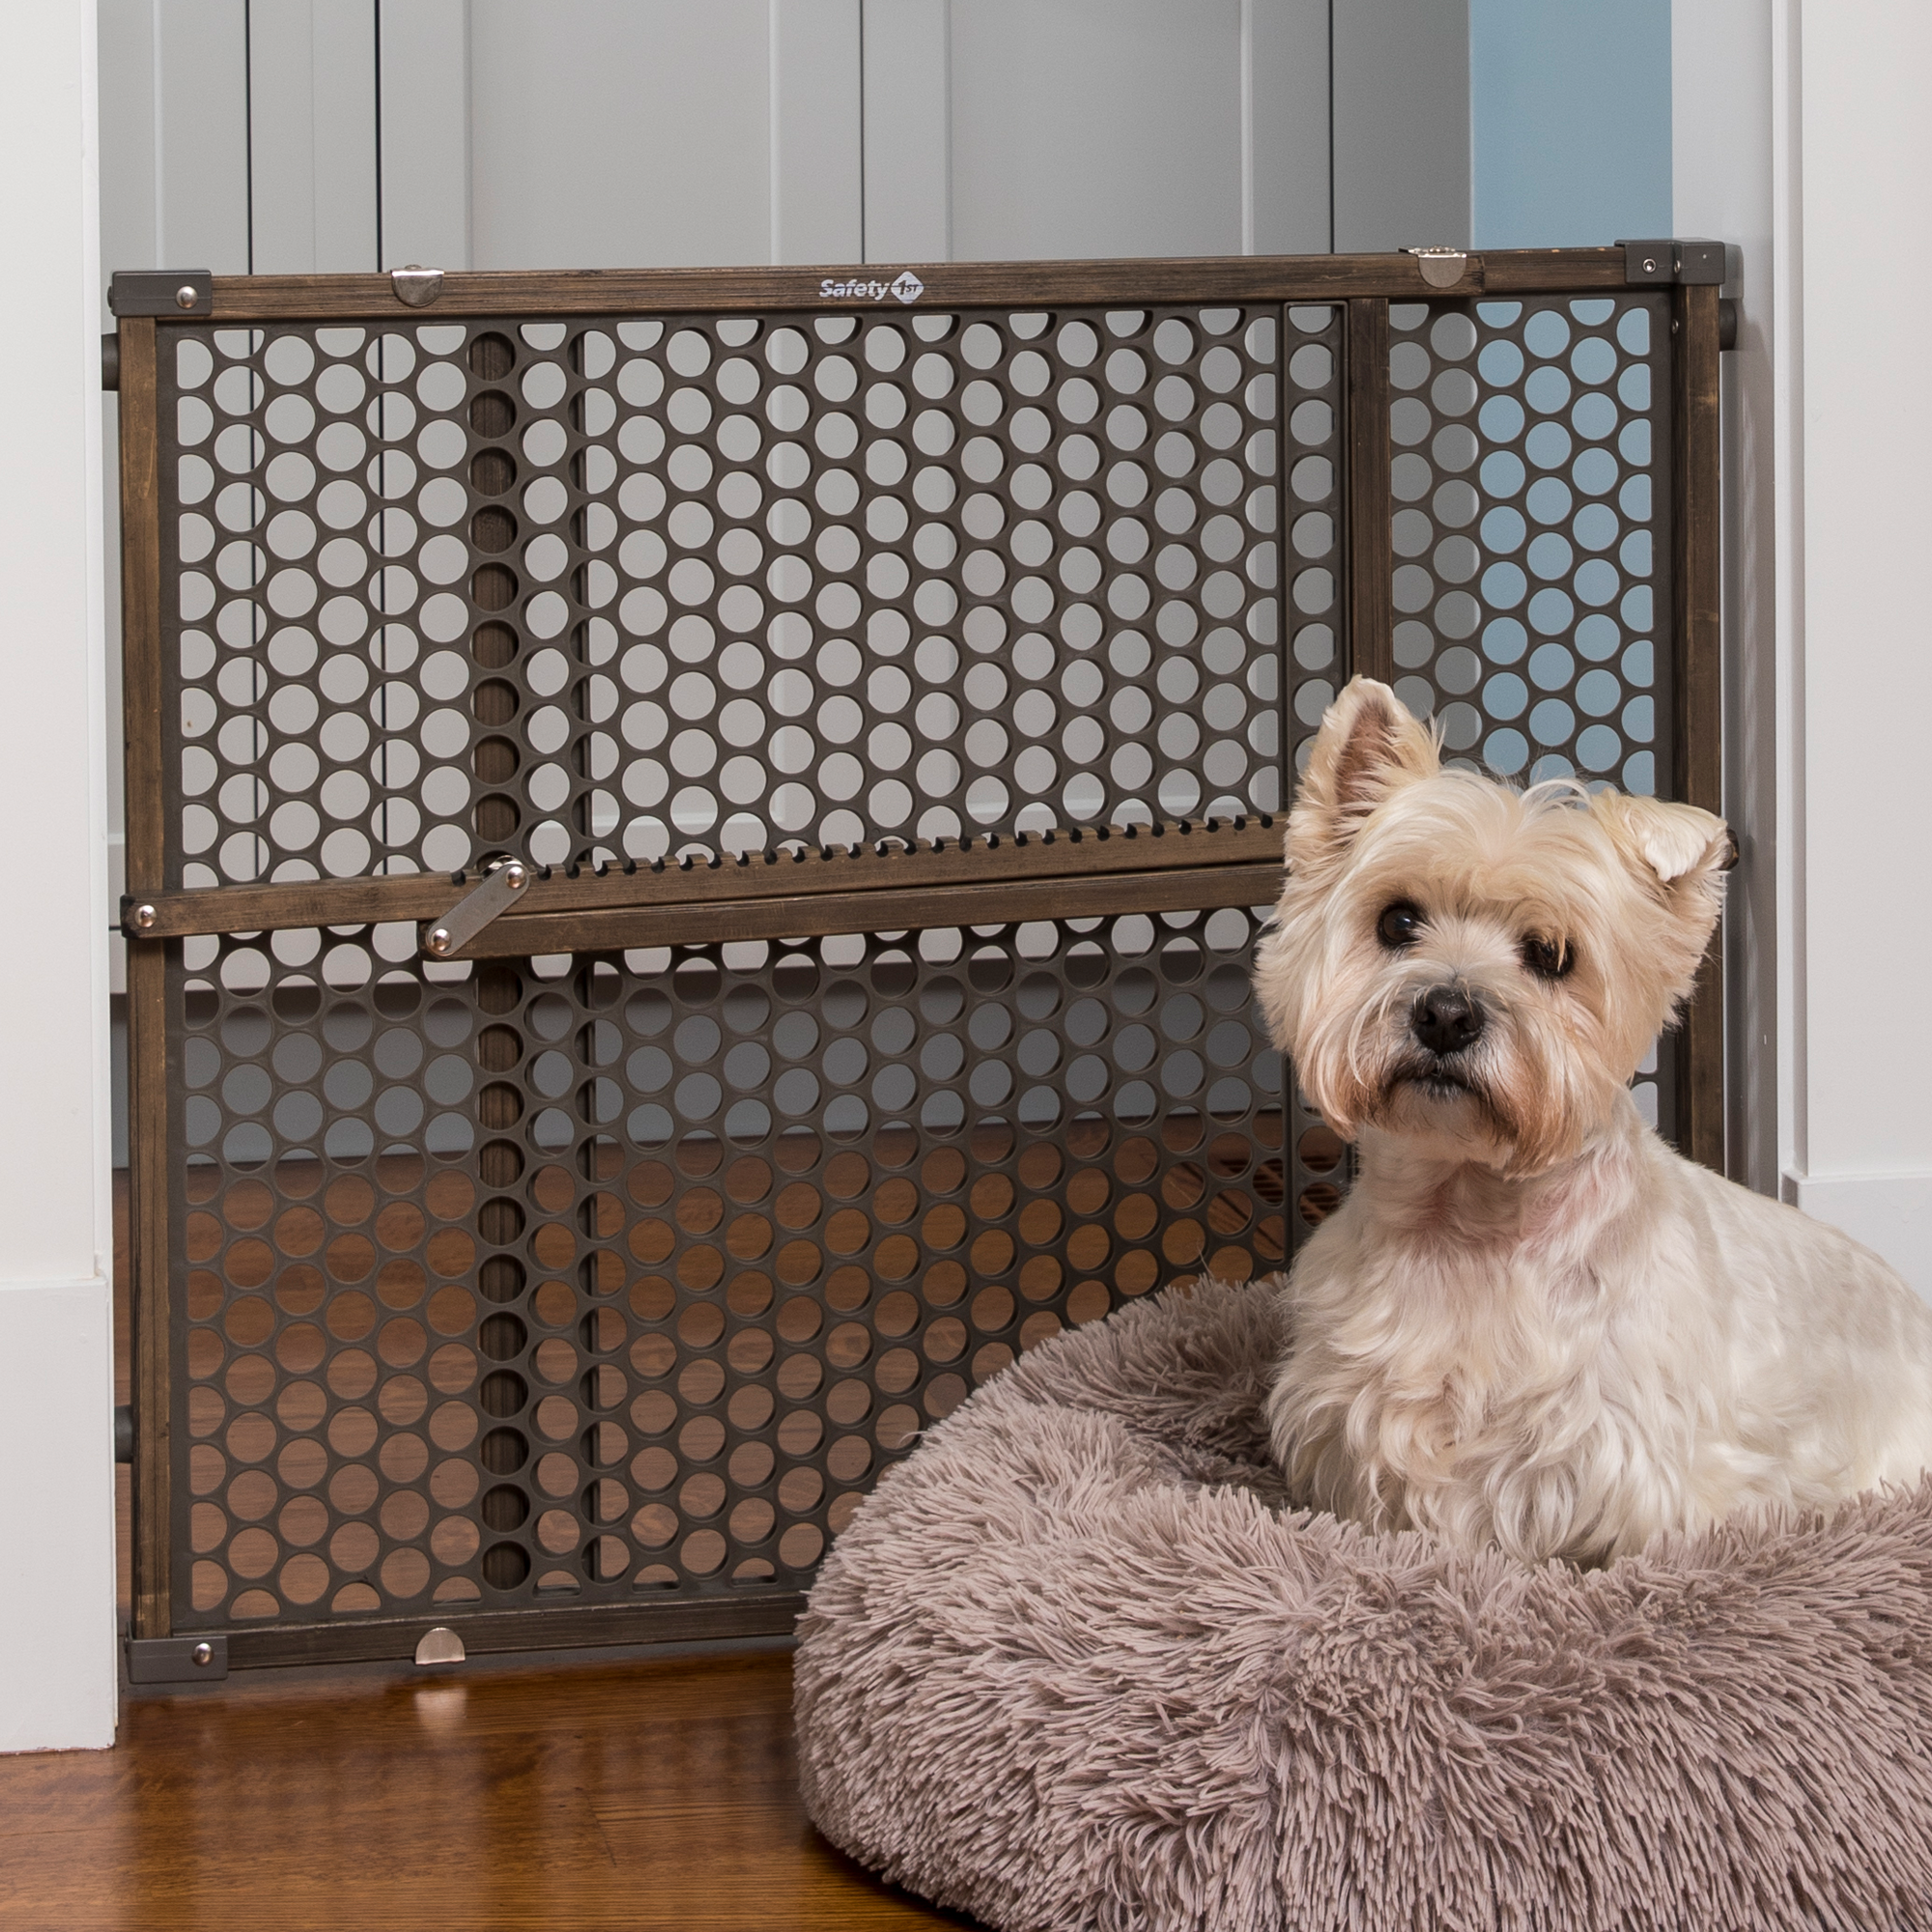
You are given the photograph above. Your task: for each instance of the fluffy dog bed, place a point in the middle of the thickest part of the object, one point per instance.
(1075, 1665)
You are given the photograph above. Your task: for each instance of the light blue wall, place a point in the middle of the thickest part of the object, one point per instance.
(1569, 121)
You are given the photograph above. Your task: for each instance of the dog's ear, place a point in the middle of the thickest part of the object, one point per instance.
(1366, 748)
(1676, 843)
(1680, 856)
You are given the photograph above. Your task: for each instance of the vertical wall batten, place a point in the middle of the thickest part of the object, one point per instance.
(1285, 170)
(906, 92)
(817, 118)
(313, 139)
(201, 135)
(423, 62)
(1400, 117)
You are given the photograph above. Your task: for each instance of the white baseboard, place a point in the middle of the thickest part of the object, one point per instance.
(1890, 1213)
(57, 1612)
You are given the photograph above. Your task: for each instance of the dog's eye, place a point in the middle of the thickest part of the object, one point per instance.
(1547, 959)
(1400, 926)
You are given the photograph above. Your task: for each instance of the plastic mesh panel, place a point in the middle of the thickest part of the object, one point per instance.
(576, 1278)
(597, 592)
(1531, 457)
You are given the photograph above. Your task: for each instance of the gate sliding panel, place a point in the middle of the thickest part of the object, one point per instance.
(893, 698)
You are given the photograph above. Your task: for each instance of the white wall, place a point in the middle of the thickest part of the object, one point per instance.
(1859, 145)
(57, 1633)
(1800, 134)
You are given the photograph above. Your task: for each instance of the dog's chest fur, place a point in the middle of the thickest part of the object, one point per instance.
(1561, 1369)
(1639, 1346)
(1449, 1367)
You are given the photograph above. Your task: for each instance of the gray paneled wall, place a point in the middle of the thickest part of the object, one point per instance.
(1401, 153)
(312, 135)
(327, 135)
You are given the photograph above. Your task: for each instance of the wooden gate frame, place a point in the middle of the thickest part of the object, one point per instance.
(1070, 877)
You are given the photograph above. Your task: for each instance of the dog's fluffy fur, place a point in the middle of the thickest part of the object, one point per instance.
(1531, 1323)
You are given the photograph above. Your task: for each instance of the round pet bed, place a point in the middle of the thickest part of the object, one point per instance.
(1074, 1665)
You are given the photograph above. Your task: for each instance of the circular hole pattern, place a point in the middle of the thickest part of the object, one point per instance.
(580, 1329)
(445, 592)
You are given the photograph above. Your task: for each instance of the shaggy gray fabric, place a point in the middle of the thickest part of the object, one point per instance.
(1075, 1666)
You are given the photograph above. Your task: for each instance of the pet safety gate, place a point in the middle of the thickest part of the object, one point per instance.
(696, 839)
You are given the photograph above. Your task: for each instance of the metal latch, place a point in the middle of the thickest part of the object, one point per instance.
(1693, 263)
(415, 286)
(176, 1660)
(161, 291)
(1441, 268)
(471, 914)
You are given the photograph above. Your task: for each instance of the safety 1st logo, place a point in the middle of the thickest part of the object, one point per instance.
(908, 288)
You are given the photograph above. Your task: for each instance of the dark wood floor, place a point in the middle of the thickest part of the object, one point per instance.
(590, 1795)
(603, 1796)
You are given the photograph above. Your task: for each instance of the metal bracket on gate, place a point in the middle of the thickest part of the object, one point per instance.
(469, 915)
(1441, 268)
(161, 291)
(177, 1660)
(1689, 262)
(416, 287)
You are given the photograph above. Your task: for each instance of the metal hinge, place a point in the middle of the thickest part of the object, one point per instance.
(177, 1660)
(1696, 263)
(416, 287)
(124, 1433)
(161, 291)
(471, 914)
(1441, 268)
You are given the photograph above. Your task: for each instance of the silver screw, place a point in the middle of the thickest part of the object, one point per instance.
(145, 916)
(1650, 265)
(439, 941)
(203, 1652)
(186, 296)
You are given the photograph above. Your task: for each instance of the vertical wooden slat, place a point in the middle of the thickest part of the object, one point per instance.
(146, 972)
(1370, 615)
(1696, 633)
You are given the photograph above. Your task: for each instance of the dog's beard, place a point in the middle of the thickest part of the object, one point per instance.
(1449, 1096)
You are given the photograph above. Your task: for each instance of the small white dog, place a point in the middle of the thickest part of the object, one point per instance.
(1531, 1323)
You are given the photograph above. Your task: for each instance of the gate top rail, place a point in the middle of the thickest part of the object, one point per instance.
(1287, 278)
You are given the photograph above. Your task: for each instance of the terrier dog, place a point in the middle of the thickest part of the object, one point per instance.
(1531, 1324)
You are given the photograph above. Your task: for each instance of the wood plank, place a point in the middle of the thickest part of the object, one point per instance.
(813, 914)
(860, 868)
(1370, 555)
(634, 1793)
(1271, 279)
(540, 1628)
(146, 975)
(1551, 270)
(141, 603)
(1696, 591)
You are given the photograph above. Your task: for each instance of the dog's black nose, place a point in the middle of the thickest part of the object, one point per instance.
(1446, 1020)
